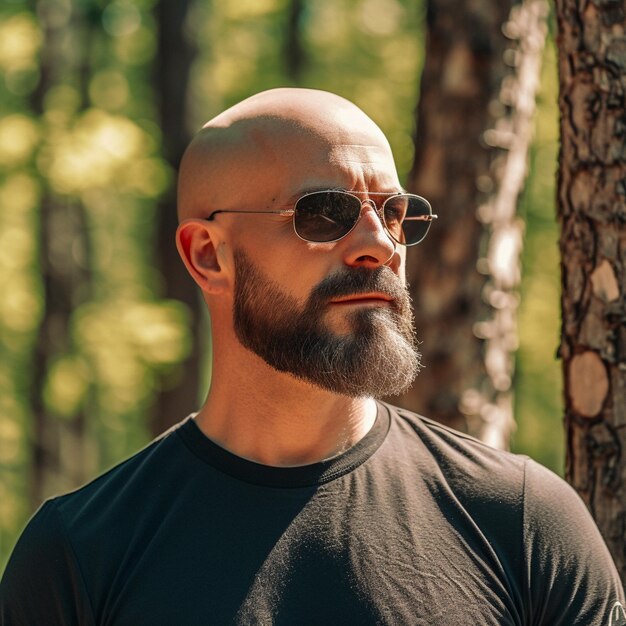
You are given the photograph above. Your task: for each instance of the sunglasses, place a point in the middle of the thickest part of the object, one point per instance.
(327, 216)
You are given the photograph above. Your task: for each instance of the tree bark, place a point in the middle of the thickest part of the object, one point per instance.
(171, 80)
(474, 125)
(591, 194)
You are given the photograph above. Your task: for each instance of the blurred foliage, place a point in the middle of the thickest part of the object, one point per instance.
(538, 382)
(20, 305)
(368, 51)
(78, 137)
(79, 130)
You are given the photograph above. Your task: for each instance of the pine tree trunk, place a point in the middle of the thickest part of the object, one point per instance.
(474, 125)
(591, 199)
(171, 80)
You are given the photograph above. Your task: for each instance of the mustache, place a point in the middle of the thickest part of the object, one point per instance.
(351, 282)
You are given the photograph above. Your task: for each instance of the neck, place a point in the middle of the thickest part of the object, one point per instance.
(272, 418)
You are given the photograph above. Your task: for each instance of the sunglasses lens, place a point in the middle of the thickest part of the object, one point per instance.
(325, 215)
(407, 218)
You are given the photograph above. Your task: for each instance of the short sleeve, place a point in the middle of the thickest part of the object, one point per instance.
(571, 578)
(42, 583)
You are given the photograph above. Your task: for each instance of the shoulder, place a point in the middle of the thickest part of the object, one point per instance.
(43, 582)
(567, 573)
(71, 540)
(467, 478)
(123, 486)
(96, 507)
(531, 516)
(462, 460)
(570, 572)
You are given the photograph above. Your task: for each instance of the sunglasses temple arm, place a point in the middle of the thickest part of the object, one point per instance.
(421, 218)
(278, 212)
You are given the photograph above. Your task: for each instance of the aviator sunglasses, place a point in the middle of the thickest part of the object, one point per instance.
(327, 216)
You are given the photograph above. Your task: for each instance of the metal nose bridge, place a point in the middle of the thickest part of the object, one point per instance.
(381, 217)
(379, 211)
(370, 202)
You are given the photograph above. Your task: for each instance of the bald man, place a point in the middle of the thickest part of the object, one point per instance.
(294, 496)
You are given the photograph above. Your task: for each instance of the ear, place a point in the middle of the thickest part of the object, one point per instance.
(196, 245)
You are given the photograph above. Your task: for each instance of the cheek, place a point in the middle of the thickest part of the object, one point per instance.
(295, 277)
(295, 266)
(402, 264)
(290, 260)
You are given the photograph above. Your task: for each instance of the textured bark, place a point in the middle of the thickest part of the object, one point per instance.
(591, 194)
(474, 128)
(171, 79)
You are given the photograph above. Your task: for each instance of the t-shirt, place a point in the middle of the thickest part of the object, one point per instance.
(416, 524)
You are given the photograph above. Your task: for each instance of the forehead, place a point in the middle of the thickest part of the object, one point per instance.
(356, 168)
(304, 161)
(266, 156)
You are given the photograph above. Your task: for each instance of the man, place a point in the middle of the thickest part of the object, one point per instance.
(292, 496)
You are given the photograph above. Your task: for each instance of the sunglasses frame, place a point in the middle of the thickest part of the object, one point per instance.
(379, 211)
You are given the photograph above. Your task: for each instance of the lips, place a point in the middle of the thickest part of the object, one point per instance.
(376, 298)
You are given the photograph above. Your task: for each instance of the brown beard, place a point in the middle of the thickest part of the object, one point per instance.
(378, 358)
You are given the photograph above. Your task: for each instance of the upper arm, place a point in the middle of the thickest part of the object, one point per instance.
(570, 574)
(42, 583)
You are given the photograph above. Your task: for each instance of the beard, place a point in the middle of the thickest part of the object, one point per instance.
(377, 358)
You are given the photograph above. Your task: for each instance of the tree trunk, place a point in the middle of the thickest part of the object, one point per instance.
(294, 55)
(591, 195)
(171, 79)
(474, 125)
(58, 460)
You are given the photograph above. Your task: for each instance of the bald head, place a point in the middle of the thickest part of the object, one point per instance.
(271, 145)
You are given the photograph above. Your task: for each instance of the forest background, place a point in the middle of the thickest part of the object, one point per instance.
(97, 324)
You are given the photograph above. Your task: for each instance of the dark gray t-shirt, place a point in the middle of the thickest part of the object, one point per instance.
(416, 524)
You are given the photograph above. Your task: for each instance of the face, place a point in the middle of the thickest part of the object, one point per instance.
(376, 357)
(293, 301)
(300, 163)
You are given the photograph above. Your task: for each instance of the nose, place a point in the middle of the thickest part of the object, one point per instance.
(369, 244)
